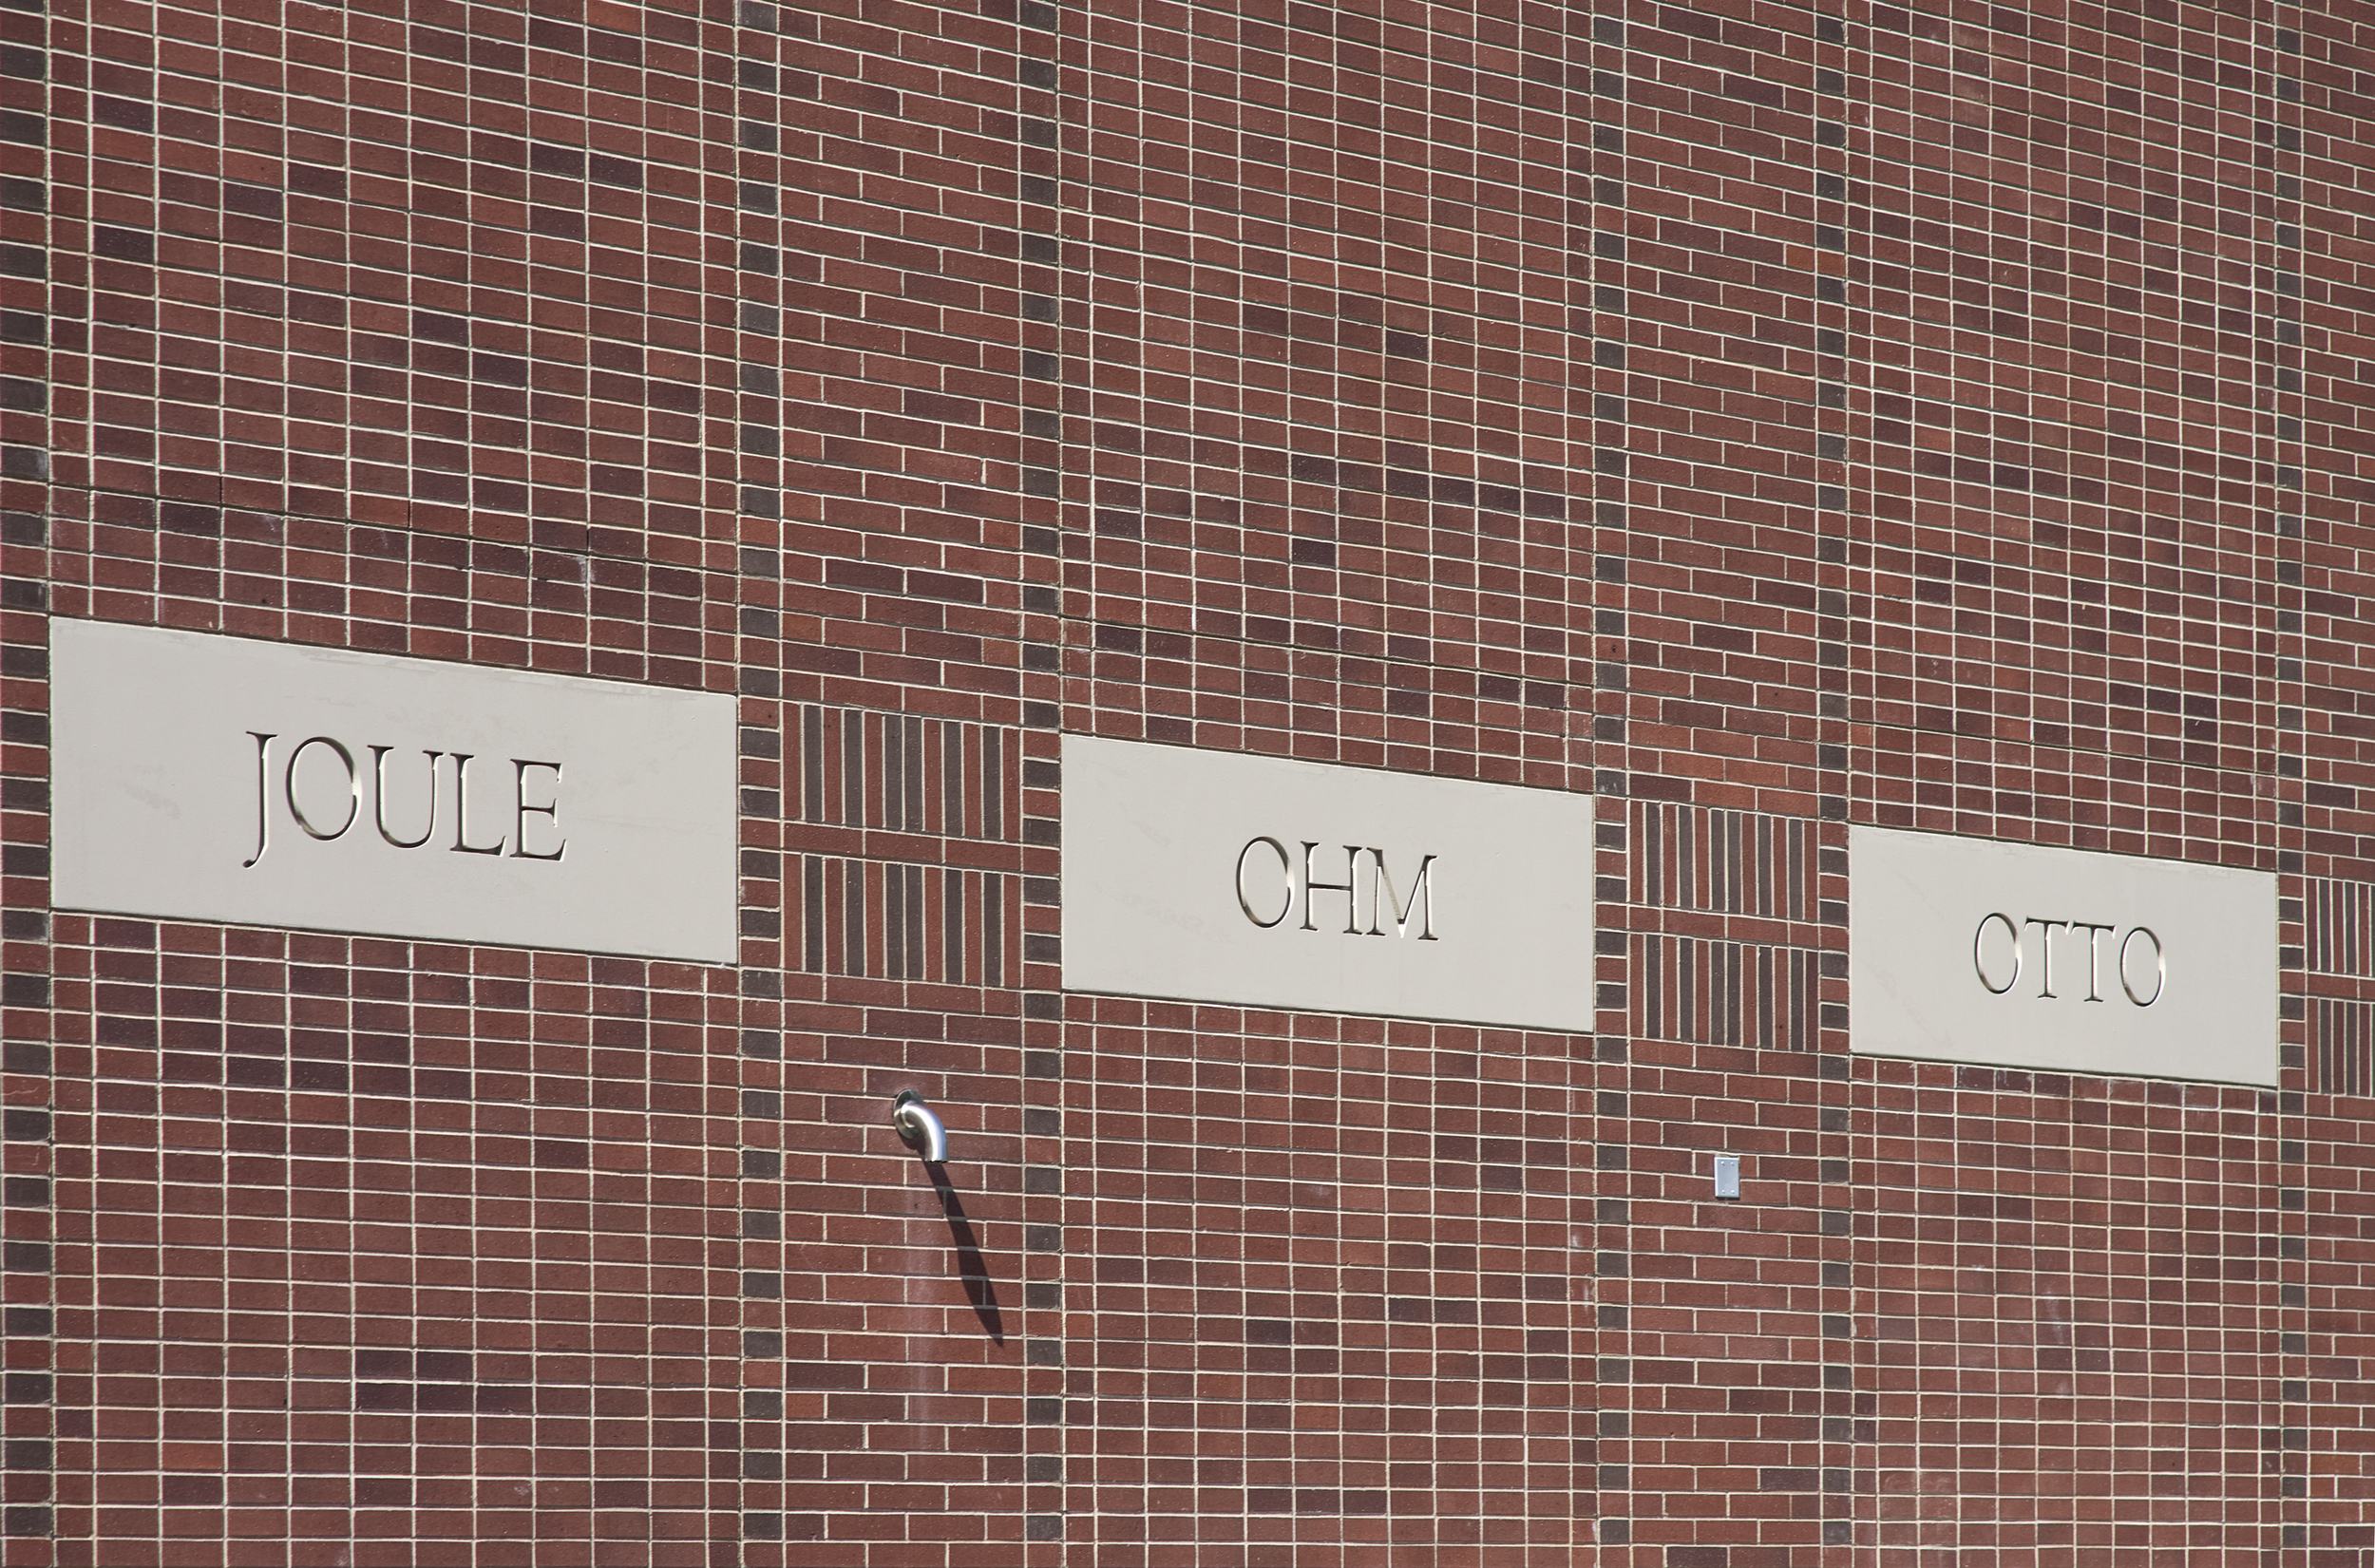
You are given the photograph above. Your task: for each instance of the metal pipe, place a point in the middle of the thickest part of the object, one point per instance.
(918, 1128)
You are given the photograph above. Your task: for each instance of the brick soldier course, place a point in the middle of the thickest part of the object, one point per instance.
(1764, 418)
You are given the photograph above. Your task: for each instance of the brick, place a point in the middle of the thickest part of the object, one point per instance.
(1771, 421)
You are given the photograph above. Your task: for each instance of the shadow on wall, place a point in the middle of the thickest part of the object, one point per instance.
(970, 1267)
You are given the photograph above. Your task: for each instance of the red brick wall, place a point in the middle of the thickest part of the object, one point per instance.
(1769, 417)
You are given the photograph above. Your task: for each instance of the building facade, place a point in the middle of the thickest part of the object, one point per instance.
(1714, 455)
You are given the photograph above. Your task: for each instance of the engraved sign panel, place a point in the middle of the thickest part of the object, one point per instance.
(1967, 950)
(215, 778)
(1253, 880)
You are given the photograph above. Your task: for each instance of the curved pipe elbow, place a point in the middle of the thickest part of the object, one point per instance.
(919, 1128)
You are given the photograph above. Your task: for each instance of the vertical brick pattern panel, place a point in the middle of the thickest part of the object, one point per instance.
(908, 830)
(1723, 994)
(1723, 862)
(899, 921)
(2338, 919)
(1723, 874)
(2343, 1034)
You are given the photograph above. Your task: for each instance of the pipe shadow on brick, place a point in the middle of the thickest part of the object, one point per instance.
(971, 1267)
